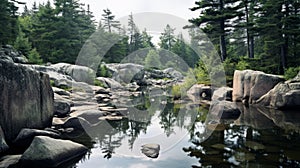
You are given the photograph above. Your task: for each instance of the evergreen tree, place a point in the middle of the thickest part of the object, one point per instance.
(152, 60)
(216, 15)
(43, 32)
(22, 43)
(135, 37)
(146, 40)
(8, 22)
(167, 38)
(34, 57)
(109, 21)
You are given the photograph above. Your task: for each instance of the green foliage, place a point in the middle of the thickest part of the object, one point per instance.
(177, 91)
(152, 60)
(201, 73)
(34, 57)
(8, 22)
(167, 38)
(242, 65)
(291, 72)
(103, 71)
(180, 90)
(22, 43)
(99, 83)
(52, 83)
(109, 21)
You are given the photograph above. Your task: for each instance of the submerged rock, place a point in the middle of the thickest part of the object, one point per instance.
(49, 152)
(225, 109)
(151, 150)
(254, 145)
(26, 99)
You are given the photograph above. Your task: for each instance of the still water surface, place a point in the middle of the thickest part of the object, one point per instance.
(259, 137)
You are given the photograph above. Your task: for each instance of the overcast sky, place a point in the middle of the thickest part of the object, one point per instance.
(121, 8)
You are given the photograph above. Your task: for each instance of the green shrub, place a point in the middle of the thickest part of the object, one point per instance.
(178, 91)
(103, 71)
(34, 57)
(291, 72)
(99, 83)
(242, 65)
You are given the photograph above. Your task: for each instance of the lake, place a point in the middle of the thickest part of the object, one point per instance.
(188, 137)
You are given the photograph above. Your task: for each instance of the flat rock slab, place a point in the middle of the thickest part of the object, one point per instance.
(9, 160)
(151, 150)
(49, 152)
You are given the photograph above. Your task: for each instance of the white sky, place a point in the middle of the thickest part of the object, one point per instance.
(121, 8)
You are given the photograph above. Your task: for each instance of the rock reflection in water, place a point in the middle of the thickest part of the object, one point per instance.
(260, 137)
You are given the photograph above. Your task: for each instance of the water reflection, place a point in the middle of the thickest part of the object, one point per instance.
(259, 137)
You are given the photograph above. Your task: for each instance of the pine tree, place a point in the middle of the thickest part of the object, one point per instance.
(167, 38)
(152, 60)
(8, 22)
(146, 40)
(109, 21)
(216, 16)
(22, 43)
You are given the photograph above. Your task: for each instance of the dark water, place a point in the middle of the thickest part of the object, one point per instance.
(259, 137)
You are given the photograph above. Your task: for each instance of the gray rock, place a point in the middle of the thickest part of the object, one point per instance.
(11, 54)
(249, 86)
(222, 93)
(62, 106)
(101, 90)
(78, 123)
(151, 150)
(111, 83)
(92, 116)
(127, 72)
(77, 72)
(26, 99)
(199, 92)
(283, 95)
(9, 160)
(173, 73)
(225, 109)
(60, 91)
(49, 152)
(3, 146)
(26, 136)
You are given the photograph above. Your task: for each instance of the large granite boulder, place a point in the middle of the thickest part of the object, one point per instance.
(249, 85)
(77, 72)
(26, 99)
(9, 53)
(48, 152)
(284, 95)
(127, 72)
(26, 136)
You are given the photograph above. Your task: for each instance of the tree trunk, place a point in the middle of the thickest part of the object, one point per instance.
(222, 36)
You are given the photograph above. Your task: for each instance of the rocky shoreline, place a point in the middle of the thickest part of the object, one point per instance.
(39, 120)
